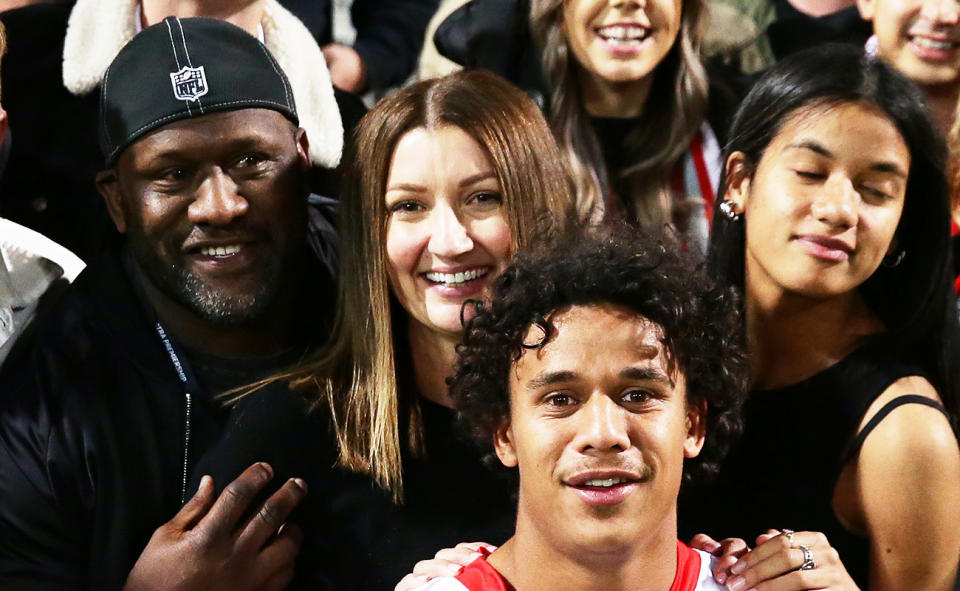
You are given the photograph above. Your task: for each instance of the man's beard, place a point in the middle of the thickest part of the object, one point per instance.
(190, 291)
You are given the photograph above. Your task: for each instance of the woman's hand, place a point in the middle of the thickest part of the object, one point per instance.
(727, 551)
(790, 561)
(445, 563)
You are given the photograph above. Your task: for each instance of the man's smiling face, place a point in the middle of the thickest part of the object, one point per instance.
(214, 208)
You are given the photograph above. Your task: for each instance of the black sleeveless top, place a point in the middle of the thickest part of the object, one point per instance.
(782, 472)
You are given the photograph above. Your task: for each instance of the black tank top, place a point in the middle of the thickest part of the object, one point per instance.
(782, 472)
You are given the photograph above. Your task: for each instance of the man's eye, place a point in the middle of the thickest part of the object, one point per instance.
(636, 396)
(174, 175)
(249, 160)
(559, 400)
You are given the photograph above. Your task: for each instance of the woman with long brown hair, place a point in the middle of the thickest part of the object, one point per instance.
(625, 93)
(447, 180)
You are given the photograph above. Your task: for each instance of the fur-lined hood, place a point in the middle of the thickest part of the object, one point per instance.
(98, 29)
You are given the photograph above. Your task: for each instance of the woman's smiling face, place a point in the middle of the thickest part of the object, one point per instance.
(822, 206)
(447, 232)
(621, 40)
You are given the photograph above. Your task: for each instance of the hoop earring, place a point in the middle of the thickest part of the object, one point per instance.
(892, 260)
(726, 208)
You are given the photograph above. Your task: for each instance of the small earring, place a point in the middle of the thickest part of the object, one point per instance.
(726, 208)
(892, 260)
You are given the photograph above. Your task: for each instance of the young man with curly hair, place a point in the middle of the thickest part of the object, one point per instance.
(605, 372)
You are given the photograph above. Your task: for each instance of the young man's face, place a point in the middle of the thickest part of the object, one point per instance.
(920, 38)
(599, 428)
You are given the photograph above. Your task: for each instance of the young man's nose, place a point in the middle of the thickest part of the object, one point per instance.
(448, 237)
(217, 201)
(602, 426)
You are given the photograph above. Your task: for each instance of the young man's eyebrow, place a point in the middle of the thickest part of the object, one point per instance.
(549, 378)
(649, 374)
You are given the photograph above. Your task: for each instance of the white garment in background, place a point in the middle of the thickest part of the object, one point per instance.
(29, 263)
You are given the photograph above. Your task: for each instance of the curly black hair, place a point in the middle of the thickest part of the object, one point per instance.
(701, 325)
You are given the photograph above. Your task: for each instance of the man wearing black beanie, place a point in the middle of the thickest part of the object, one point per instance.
(224, 275)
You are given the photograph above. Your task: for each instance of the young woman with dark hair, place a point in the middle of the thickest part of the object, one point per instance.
(834, 221)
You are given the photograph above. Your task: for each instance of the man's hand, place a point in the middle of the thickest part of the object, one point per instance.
(347, 71)
(208, 546)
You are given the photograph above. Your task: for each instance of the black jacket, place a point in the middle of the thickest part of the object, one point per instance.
(355, 537)
(92, 432)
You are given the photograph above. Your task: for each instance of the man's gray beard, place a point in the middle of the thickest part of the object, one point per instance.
(218, 308)
(189, 290)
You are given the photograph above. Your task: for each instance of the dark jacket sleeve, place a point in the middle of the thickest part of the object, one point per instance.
(43, 489)
(390, 37)
(493, 35)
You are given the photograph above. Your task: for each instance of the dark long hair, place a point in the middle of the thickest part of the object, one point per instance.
(914, 299)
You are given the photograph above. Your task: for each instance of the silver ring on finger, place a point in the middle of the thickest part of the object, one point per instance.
(808, 562)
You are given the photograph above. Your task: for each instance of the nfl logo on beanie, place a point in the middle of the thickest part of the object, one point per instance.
(184, 68)
(189, 84)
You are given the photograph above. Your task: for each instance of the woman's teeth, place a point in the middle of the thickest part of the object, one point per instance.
(455, 278)
(934, 43)
(220, 251)
(621, 34)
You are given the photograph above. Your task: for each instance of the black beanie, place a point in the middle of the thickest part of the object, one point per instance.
(183, 68)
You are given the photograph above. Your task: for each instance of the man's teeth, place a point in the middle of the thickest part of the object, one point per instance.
(220, 251)
(622, 34)
(605, 482)
(934, 44)
(456, 278)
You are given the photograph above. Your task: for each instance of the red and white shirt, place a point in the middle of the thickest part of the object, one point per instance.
(693, 574)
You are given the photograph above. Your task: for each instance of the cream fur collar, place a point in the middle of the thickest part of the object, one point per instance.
(98, 29)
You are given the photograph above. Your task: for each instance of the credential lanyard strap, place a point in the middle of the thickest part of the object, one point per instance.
(190, 387)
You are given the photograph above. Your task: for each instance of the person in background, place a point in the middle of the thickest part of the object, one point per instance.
(834, 225)
(389, 36)
(222, 275)
(52, 74)
(751, 35)
(449, 178)
(626, 96)
(33, 268)
(921, 39)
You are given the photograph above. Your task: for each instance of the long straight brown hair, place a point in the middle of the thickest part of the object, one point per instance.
(356, 375)
(675, 109)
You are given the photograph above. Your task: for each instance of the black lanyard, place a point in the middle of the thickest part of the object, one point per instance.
(190, 387)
